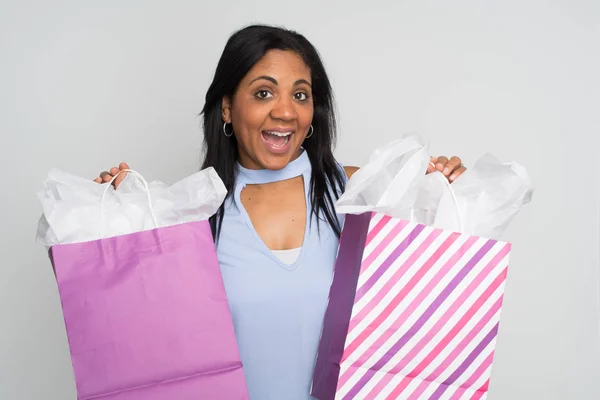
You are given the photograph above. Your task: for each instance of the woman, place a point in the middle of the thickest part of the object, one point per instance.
(269, 129)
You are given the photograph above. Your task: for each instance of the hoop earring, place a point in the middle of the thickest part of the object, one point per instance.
(225, 130)
(312, 130)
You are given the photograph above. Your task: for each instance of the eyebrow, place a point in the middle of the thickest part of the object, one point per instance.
(274, 81)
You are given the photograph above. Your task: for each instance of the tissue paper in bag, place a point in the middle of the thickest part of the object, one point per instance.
(71, 205)
(141, 290)
(482, 202)
(488, 197)
(389, 182)
(414, 307)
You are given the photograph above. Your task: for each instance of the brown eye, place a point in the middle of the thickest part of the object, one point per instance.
(263, 94)
(301, 96)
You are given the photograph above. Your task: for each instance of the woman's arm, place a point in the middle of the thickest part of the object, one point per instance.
(350, 171)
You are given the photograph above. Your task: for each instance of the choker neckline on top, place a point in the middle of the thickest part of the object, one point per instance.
(294, 169)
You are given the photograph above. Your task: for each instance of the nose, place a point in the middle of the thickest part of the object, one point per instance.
(284, 109)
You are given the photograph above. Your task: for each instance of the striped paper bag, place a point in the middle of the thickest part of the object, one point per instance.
(413, 313)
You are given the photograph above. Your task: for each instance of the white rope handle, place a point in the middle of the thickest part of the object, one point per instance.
(449, 186)
(109, 185)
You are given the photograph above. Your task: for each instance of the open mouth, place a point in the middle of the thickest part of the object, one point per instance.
(277, 141)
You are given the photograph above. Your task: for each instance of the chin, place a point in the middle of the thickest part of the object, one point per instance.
(276, 162)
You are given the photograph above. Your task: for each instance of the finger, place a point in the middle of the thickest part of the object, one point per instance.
(114, 170)
(456, 174)
(98, 180)
(119, 179)
(431, 166)
(122, 166)
(454, 163)
(441, 163)
(105, 176)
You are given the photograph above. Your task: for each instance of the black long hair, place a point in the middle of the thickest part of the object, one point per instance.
(242, 51)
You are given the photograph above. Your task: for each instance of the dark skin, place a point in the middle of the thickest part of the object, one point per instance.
(276, 95)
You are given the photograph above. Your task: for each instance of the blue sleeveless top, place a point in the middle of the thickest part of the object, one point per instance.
(277, 308)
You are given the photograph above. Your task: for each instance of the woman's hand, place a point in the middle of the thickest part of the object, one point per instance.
(452, 168)
(107, 176)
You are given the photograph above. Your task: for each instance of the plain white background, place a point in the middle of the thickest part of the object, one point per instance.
(84, 85)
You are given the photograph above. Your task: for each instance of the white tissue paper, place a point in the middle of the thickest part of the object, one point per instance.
(389, 182)
(481, 202)
(71, 205)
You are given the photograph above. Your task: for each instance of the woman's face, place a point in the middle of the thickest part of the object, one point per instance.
(271, 111)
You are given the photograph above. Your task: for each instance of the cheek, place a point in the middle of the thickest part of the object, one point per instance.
(249, 120)
(306, 117)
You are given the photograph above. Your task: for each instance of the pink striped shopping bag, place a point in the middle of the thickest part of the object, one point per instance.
(413, 313)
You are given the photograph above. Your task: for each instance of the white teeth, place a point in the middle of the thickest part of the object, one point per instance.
(280, 134)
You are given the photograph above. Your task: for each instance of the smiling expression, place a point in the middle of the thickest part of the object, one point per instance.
(271, 111)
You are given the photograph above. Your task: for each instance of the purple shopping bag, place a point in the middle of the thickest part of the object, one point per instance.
(147, 317)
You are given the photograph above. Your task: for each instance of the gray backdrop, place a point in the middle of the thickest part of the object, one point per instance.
(84, 85)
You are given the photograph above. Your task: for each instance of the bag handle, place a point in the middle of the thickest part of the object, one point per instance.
(454, 200)
(109, 185)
